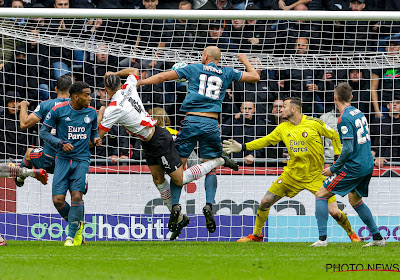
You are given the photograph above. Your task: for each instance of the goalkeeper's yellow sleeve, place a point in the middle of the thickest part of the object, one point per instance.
(329, 132)
(271, 139)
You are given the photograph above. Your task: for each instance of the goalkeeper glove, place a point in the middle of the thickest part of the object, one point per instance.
(231, 146)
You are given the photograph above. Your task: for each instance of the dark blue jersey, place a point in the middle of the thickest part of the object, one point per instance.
(41, 112)
(207, 86)
(76, 127)
(352, 124)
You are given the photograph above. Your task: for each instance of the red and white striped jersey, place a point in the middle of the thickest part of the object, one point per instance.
(126, 108)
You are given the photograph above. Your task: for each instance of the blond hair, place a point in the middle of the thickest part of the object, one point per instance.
(160, 116)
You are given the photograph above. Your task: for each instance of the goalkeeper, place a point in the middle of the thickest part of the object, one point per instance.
(302, 137)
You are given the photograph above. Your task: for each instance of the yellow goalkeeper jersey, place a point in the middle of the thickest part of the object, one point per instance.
(304, 144)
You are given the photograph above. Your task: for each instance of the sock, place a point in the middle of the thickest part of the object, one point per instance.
(165, 193)
(343, 221)
(175, 193)
(9, 171)
(262, 216)
(210, 184)
(25, 163)
(25, 172)
(199, 170)
(366, 216)
(64, 210)
(75, 215)
(321, 213)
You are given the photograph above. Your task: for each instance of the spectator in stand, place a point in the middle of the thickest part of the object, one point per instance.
(18, 4)
(385, 134)
(235, 28)
(257, 35)
(289, 31)
(183, 31)
(99, 96)
(330, 78)
(360, 80)
(263, 92)
(213, 4)
(38, 64)
(331, 119)
(217, 37)
(153, 34)
(61, 58)
(303, 83)
(94, 71)
(359, 35)
(273, 120)
(151, 95)
(15, 76)
(39, 23)
(13, 140)
(385, 83)
(115, 145)
(245, 128)
(291, 4)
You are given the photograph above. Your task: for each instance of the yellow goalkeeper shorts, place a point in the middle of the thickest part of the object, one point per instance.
(286, 186)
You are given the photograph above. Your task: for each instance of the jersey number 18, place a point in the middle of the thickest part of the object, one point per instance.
(210, 86)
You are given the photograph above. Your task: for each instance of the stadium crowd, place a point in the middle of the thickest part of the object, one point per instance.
(29, 69)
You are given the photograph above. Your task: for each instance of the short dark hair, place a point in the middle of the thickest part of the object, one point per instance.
(77, 87)
(343, 92)
(64, 82)
(112, 82)
(294, 100)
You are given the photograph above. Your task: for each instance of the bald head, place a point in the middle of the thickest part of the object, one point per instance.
(211, 53)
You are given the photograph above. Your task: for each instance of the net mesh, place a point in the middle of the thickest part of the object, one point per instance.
(294, 58)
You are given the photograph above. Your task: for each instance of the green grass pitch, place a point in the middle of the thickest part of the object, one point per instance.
(190, 260)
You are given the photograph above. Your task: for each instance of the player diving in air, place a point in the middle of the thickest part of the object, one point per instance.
(206, 91)
(302, 137)
(159, 150)
(351, 173)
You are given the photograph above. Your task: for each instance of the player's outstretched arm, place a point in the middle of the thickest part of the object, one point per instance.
(251, 76)
(124, 72)
(26, 121)
(159, 78)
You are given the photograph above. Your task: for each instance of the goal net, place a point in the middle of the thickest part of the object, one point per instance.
(303, 54)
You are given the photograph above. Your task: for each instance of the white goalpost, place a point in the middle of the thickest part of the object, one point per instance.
(297, 53)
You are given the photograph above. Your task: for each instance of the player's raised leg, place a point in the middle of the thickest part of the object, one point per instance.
(366, 216)
(262, 215)
(10, 170)
(26, 162)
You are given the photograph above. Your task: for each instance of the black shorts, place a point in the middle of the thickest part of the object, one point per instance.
(160, 150)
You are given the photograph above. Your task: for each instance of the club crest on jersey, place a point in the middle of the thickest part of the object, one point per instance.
(304, 134)
(344, 129)
(87, 119)
(279, 181)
